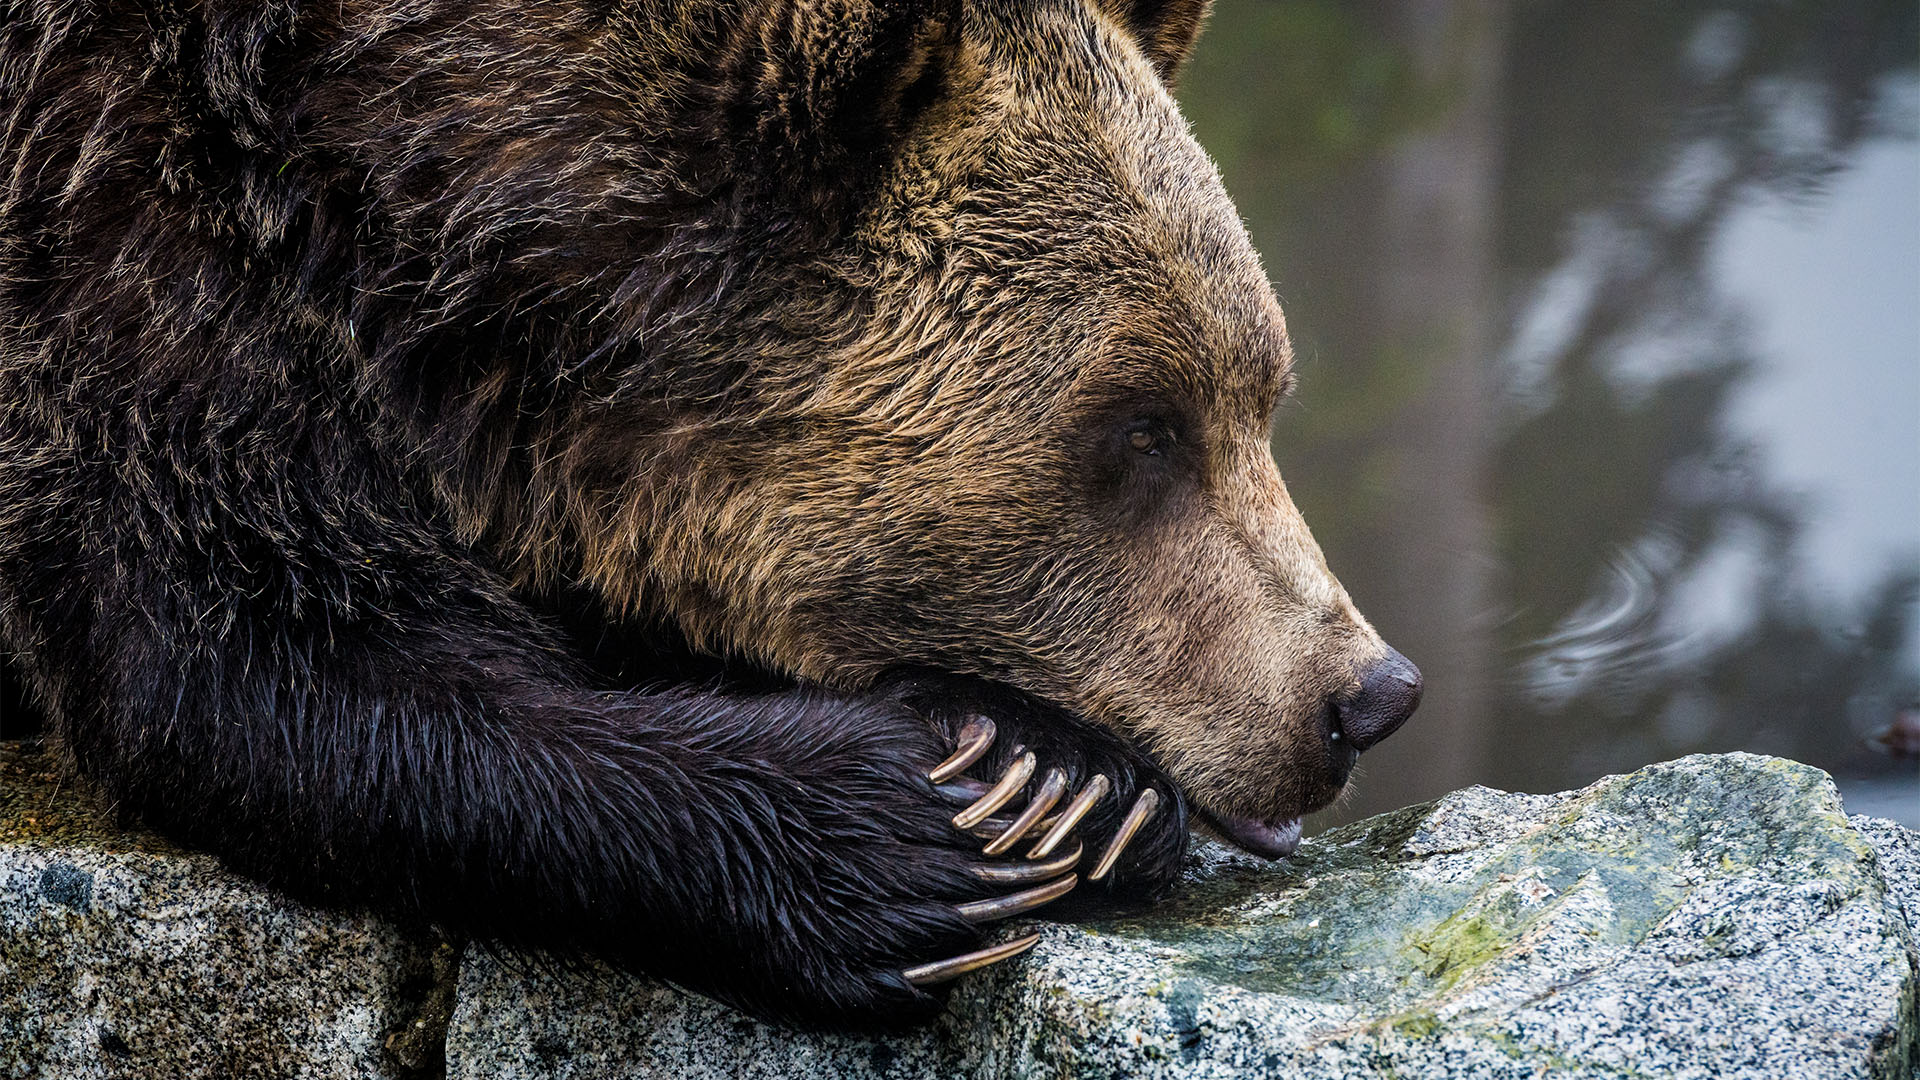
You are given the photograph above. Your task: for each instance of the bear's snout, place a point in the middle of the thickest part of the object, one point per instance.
(1389, 692)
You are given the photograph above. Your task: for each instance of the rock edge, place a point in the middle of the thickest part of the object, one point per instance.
(1712, 916)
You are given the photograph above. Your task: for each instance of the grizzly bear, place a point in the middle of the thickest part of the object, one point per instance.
(752, 491)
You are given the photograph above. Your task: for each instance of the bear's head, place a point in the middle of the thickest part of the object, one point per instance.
(989, 392)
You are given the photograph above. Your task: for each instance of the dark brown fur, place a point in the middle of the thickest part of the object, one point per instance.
(396, 398)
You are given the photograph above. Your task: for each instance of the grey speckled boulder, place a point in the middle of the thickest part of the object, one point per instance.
(1710, 917)
(122, 957)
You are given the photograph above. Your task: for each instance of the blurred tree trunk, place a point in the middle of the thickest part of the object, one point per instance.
(1430, 247)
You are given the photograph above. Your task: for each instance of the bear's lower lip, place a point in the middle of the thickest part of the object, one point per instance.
(1272, 840)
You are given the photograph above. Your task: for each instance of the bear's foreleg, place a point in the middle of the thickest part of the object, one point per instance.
(783, 851)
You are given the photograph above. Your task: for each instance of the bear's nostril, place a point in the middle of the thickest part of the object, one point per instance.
(1389, 692)
(1341, 753)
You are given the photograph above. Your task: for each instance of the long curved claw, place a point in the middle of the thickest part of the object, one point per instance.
(1052, 788)
(942, 970)
(1001, 793)
(1095, 790)
(975, 736)
(1026, 873)
(1143, 808)
(991, 828)
(1002, 907)
(961, 789)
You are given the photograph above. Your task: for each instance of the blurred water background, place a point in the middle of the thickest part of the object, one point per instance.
(1608, 318)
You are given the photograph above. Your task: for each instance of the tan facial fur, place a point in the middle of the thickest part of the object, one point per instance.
(949, 480)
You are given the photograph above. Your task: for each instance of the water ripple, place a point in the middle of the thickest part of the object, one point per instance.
(1616, 640)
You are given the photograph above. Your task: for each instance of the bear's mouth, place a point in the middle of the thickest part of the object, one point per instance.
(1268, 839)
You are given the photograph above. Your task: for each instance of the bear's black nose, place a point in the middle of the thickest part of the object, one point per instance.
(1389, 692)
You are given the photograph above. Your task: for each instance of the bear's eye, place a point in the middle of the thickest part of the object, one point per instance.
(1149, 437)
(1140, 459)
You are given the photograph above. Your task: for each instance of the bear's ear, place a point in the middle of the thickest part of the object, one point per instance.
(816, 94)
(1165, 29)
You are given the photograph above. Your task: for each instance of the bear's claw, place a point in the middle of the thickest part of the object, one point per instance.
(942, 970)
(1095, 790)
(1049, 792)
(1000, 794)
(975, 736)
(1005, 907)
(1021, 873)
(961, 789)
(991, 828)
(1137, 816)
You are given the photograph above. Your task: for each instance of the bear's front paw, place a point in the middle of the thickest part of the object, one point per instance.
(891, 861)
(850, 884)
(1140, 832)
(1056, 779)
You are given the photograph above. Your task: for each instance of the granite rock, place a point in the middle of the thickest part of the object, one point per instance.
(123, 957)
(1717, 916)
(1710, 917)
